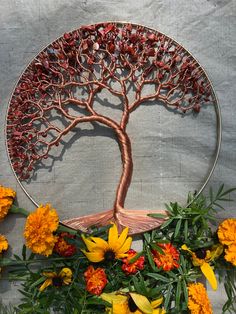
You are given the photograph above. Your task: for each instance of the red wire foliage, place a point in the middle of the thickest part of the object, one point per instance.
(122, 59)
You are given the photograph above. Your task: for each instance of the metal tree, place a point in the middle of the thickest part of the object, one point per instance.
(123, 59)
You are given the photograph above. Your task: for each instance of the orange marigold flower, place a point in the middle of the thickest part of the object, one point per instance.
(132, 268)
(3, 243)
(198, 301)
(96, 280)
(62, 247)
(169, 259)
(7, 196)
(39, 229)
(230, 254)
(227, 231)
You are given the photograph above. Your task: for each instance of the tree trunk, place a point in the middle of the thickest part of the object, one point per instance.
(127, 164)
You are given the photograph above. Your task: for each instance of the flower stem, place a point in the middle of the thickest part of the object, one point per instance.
(18, 210)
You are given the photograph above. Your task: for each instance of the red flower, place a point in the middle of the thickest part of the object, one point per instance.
(62, 247)
(133, 267)
(96, 280)
(169, 259)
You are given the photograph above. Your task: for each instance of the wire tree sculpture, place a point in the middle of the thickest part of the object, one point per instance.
(121, 58)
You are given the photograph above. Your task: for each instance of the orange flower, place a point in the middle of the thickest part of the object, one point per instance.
(230, 254)
(198, 301)
(169, 259)
(132, 268)
(227, 231)
(39, 229)
(7, 196)
(62, 247)
(96, 280)
(3, 243)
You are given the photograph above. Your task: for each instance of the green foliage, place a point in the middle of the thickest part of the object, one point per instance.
(190, 225)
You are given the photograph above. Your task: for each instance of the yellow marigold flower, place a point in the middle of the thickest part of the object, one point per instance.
(227, 231)
(57, 280)
(3, 243)
(230, 254)
(7, 196)
(202, 258)
(132, 303)
(115, 248)
(39, 229)
(198, 301)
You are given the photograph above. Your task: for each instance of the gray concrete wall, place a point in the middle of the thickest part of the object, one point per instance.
(174, 154)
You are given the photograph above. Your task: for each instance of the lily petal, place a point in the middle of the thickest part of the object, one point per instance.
(119, 303)
(89, 243)
(65, 273)
(185, 248)
(159, 311)
(113, 297)
(94, 257)
(216, 251)
(156, 303)
(113, 236)
(142, 303)
(126, 246)
(100, 243)
(123, 236)
(47, 282)
(209, 274)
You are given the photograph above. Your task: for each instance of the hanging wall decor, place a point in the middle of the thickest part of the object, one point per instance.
(134, 63)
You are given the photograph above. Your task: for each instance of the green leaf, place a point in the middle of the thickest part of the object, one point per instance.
(6, 262)
(24, 252)
(158, 277)
(167, 297)
(157, 248)
(227, 192)
(150, 259)
(147, 237)
(62, 228)
(136, 257)
(167, 223)
(17, 257)
(157, 215)
(177, 228)
(37, 282)
(17, 210)
(178, 294)
(186, 230)
(185, 290)
(221, 188)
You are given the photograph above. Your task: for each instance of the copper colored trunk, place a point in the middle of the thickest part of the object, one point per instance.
(136, 220)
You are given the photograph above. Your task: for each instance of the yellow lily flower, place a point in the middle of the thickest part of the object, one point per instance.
(115, 248)
(57, 280)
(202, 258)
(132, 303)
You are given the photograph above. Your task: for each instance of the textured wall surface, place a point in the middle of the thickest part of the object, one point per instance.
(171, 154)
